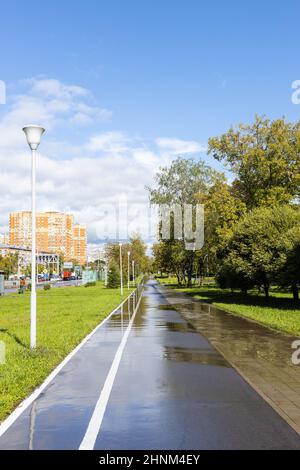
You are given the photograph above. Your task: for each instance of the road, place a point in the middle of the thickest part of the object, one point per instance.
(147, 381)
(14, 290)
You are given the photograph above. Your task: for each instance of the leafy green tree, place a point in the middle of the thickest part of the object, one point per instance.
(265, 159)
(258, 249)
(169, 257)
(137, 249)
(9, 263)
(229, 276)
(223, 210)
(181, 183)
(289, 275)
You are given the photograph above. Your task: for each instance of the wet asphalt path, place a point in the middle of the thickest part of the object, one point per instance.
(172, 390)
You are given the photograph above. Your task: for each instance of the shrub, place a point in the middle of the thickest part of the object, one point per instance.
(113, 278)
(90, 284)
(258, 250)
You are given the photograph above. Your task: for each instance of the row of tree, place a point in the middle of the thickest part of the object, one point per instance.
(252, 225)
(137, 250)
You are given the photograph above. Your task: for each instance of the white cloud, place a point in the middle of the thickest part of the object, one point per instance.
(84, 178)
(110, 142)
(54, 88)
(180, 147)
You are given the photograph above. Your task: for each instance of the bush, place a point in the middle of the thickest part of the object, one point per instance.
(257, 252)
(113, 278)
(90, 284)
(228, 278)
(47, 286)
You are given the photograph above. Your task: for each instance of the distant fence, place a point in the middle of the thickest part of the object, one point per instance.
(12, 284)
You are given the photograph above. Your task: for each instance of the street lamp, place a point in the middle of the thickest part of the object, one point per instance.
(128, 280)
(121, 269)
(106, 272)
(133, 279)
(99, 254)
(33, 135)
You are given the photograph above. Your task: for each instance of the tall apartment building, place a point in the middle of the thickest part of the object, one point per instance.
(4, 238)
(55, 232)
(20, 229)
(80, 243)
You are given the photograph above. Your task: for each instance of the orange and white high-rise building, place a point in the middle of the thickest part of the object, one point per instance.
(55, 232)
(80, 243)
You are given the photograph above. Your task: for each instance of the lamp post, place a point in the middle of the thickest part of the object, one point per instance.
(99, 254)
(106, 273)
(133, 279)
(128, 269)
(33, 135)
(121, 269)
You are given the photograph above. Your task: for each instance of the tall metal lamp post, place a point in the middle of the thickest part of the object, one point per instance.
(33, 134)
(121, 269)
(133, 274)
(128, 270)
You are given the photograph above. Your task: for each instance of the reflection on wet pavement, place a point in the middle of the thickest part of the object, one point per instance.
(58, 418)
(174, 390)
(262, 355)
(189, 355)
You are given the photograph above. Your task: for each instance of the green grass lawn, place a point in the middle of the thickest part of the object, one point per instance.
(279, 311)
(64, 317)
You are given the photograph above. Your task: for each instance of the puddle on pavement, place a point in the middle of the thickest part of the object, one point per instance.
(204, 357)
(182, 327)
(237, 336)
(166, 307)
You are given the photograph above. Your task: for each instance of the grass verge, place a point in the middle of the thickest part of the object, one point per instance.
(279, 311)
(65, 316)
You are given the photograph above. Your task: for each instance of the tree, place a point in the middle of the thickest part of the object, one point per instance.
(289, 276)
(223, 209)
(169, 257)
(258, 249)
(9, 264)
(137, 250)
(181, 183)
(113, 278)
(265, 159)
(229, 276)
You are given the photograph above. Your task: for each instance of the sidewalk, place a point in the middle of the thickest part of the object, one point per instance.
(261, 355)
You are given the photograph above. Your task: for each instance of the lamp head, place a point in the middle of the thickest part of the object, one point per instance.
(33, 135)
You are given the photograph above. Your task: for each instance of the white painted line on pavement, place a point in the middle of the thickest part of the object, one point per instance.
(29, 400)
(94, 426)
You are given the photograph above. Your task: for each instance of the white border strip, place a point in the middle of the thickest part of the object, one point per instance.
(28, 401)
(94, 426)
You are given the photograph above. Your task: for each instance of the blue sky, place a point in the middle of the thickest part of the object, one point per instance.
(183, 68)
(153, 69)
